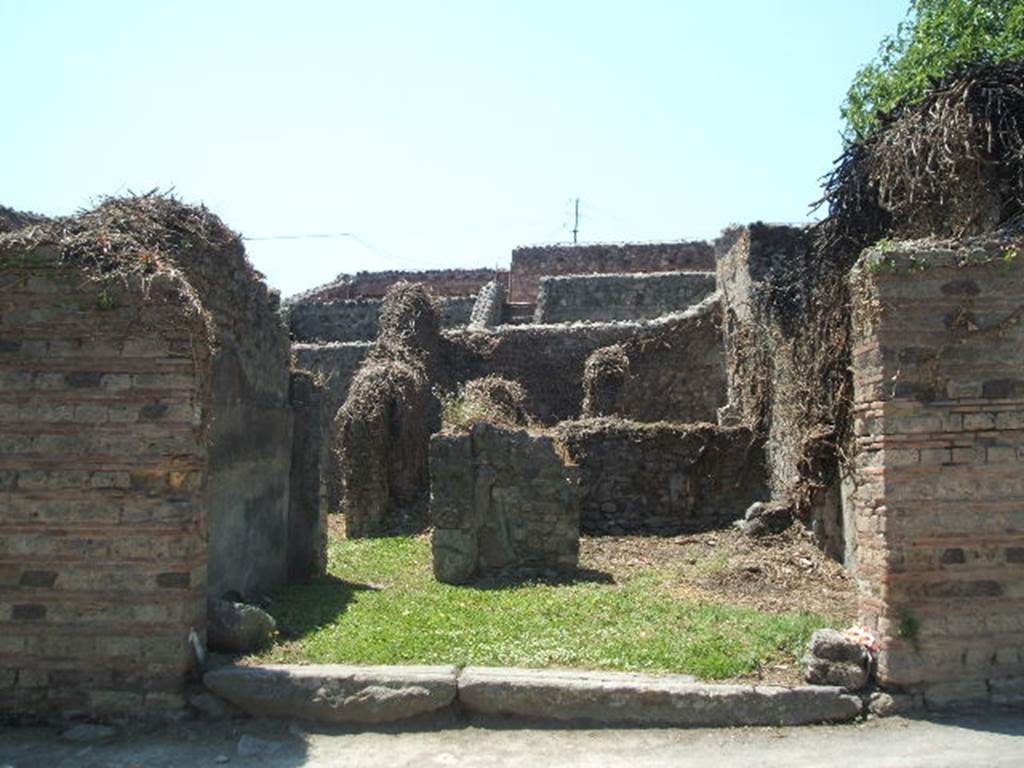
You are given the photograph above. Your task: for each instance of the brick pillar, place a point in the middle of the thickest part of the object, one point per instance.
(936, 500)
(102, 452)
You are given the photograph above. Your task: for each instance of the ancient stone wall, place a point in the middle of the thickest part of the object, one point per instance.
(640, 296)
(333, 364)
(662, 478)
(307, 514)
(502, 501)
(104, 405)
(249, 459)
(672, 371)
(530, 264)
(785, 325)
(935, 506)
(380, 436)
(374, 285)
(549, 360)
(487, 307)
(359, 319)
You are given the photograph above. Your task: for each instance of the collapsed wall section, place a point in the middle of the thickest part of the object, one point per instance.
(662, 478)
(530, 264)
(502, 501)
(104, 410)
(641, 296)
(935, 506)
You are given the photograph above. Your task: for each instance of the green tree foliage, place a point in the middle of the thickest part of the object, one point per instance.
(938, 39)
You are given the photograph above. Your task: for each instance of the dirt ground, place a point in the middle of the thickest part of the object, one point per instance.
(781, 573)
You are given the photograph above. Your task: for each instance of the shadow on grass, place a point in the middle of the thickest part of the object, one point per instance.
(301, 609)
(522, 578)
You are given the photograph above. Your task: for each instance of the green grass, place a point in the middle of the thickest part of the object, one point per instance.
(381, 605)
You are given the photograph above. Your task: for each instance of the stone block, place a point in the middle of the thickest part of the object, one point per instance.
(627, 699)
(335, 693)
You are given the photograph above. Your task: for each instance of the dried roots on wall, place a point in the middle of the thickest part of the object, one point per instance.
(380, 479)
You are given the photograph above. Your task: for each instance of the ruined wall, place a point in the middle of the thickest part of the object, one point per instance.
(104, 394)
(380, 436)
(249, 459)
(673, 371)
(935, 507)
(486, 312)
(374, 285)
(333, 364)
(501, 501)
(359, 319)
(662, 478)
(549, 360)
(785, 323)
(530, 264)
(307, 513)
(639, 296)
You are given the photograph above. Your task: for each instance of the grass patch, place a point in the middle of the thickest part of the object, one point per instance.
(381, 605)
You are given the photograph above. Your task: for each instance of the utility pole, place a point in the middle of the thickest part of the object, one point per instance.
(576, 222)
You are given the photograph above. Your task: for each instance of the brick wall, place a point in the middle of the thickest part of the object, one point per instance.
(102, 451)
(641, 296)
(530, 264)
(935, 509)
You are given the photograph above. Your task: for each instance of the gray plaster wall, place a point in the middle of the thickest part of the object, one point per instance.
(333, 364)
(250, 437)
(637, 296)
(501, 500)
(247, 493)
(307, 517)
(359, 319)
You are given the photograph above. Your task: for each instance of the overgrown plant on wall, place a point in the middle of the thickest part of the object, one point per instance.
(939, 39)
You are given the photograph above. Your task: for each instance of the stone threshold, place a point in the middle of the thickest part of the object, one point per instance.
(331, 693)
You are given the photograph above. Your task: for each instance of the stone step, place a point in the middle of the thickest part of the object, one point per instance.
(345, 694)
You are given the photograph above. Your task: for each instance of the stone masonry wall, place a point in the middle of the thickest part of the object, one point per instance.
(359, 319)
(501, 501)
(639, 296)
(672, 371)
(662, 478)
(530, 264)
(103, 565)
(487, 308)
(547, 360)
(935, 507)
(373, 285)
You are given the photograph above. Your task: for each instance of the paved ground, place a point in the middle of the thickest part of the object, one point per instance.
(983, 740)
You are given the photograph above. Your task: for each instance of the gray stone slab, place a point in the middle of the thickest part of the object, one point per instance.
(332, 693)
(638, 699)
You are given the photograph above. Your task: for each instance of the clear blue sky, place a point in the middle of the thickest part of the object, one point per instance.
(441, 133)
